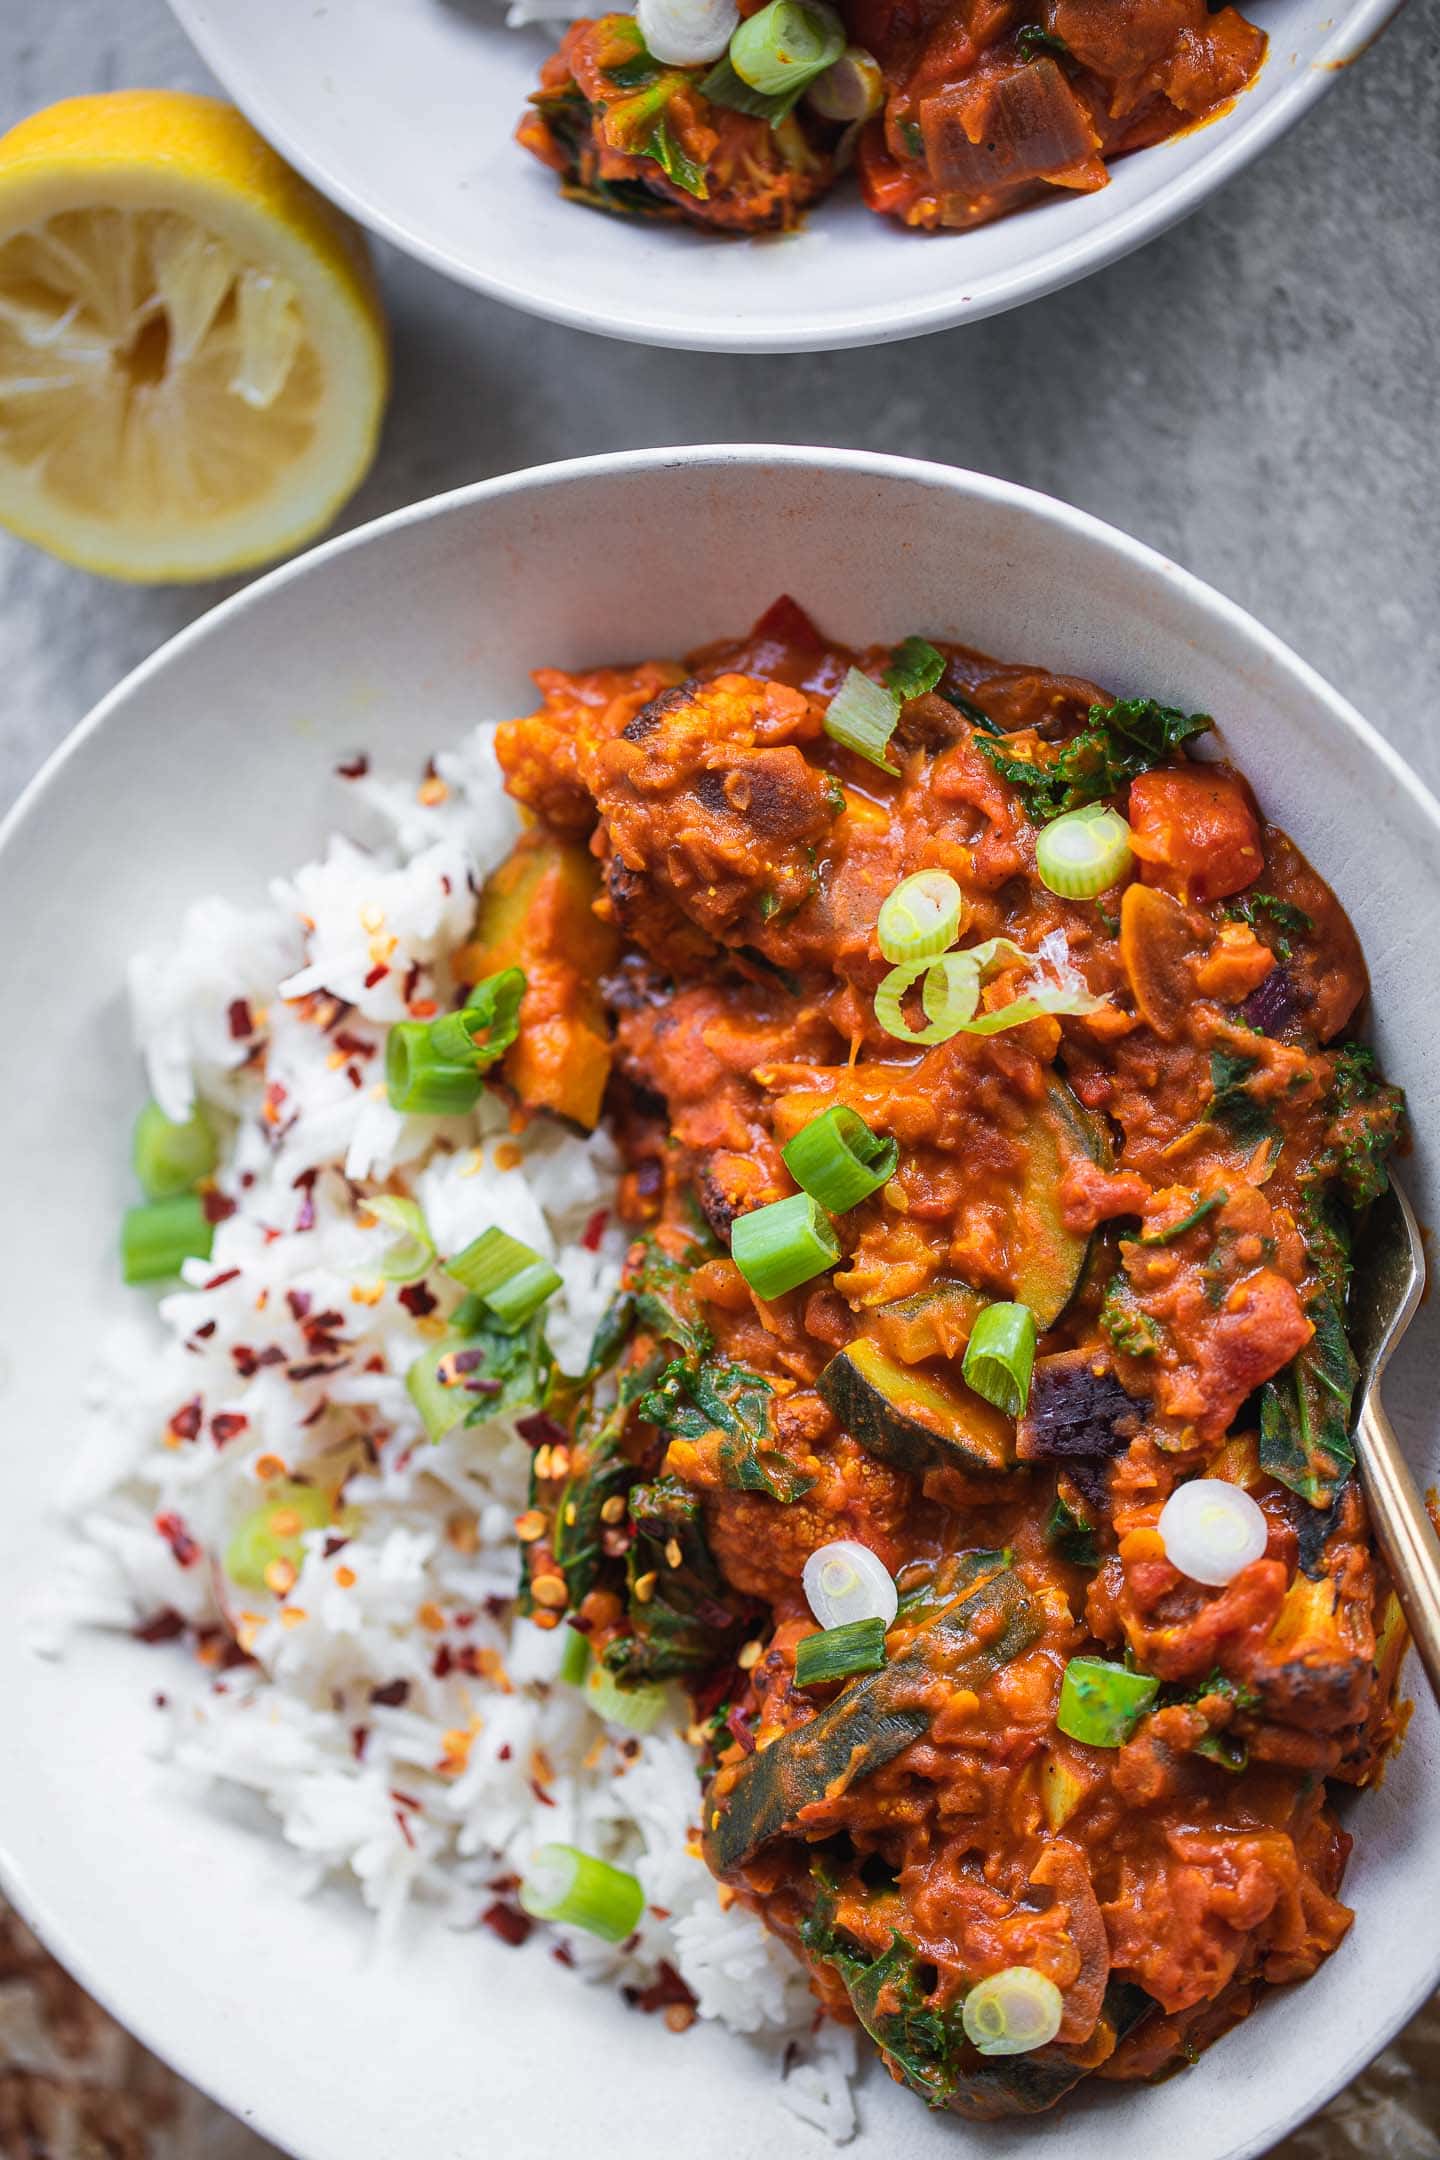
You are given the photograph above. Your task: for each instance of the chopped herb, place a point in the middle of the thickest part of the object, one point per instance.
(636, 73)
(1031, 41)
(1072, 1537)
(1198, 1212)
(1286, 918)
(1245, 1118)
(912, 138)
(1130, 1329)
(1117, 742)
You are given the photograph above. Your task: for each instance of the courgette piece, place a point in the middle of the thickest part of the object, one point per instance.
(912, 1420)
(934, 1323)
(926, 1590)
(1004, 2085)
(867, 1725)
(1049, 1259)
(537, 913)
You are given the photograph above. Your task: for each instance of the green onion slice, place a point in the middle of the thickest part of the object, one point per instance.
(1102, 1703)
(1083, 853)
(413, 1252)
(950, 994)
(637, 1709)
(915, 667)
(513, 1280)
(171, 1158)
(862, 713)
(155, 1238)
(1011, 2012)
(850, 91)
(1000, 1356)
(420, 1081)
(275, 1532)
(724, 87)
(783, 48)
(838, 1160)
(857, 1646)
(492, 1010)
(778, 1247)
(562, 1883)
(574, 1657)
(921, 918)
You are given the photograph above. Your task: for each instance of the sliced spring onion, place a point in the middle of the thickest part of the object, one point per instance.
(273, 1533)
(785, 46)
(437, 1387)
(419, 1081)
(637, 1709)
(722, 86)
(862, 713)
(171, 1158)
(950, 991)
(682, 33)
(838, 1652)
(852, 90)
(778, 1247)
(562, 1883)
(1000, 1356)
(1212, 1530)
(915, 667)
(845, 1581)
(155, 1238)
(492, 1010)
(1084, 852)
(513, 1280)
(921, 918)
(838, 1160)
(574, 1657)
(1102, 1703)
(413, 1252)
(1011, 2012)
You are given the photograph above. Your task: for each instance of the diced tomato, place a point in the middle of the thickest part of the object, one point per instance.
(1195, 832)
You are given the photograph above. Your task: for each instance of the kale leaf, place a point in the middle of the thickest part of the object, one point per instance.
(1244, 1116)
(693, 1400)
(1116, 743)
(689, 1619)
(1366, 1122)
(1289, 920)
(1305, 1410)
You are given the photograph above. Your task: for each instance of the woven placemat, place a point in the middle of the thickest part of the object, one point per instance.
(75, 2086)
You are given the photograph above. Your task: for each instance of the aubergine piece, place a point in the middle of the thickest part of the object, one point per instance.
(867, 1725)
(1077, 1408)
(913, 1420)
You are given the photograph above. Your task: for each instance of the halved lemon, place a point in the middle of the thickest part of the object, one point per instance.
(193, 359)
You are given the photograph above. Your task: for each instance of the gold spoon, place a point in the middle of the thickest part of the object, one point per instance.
(1389, 1281)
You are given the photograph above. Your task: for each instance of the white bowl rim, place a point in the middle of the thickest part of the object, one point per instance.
(1239, 137)
(56, 1933)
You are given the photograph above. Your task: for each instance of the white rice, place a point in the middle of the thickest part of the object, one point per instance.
(431, 1556)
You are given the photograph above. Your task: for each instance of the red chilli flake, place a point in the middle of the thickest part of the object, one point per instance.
(737, 1728)
(416, 1300)
(540, 1430)
(504, 1752)
(226, 1424)
(407, 1800)
(595, 1229)
(404, 1829)
(376, 975)
(540, 1793)
(443, 1662)
(217, 1206)
(354, 768)
(664, 1991)
(412, 978)
(333, 1545)
(242, 1025)
(299, 1302)
(218, 1282)
(392, 1695)
(177, 1537)
(352, 1045)
(563, 1954)
(187, 1420)
(359, 1741)
(508, 1922)
(204, 1332)
(163, 1626)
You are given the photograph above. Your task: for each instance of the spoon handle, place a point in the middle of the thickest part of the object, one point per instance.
(1403, 1530)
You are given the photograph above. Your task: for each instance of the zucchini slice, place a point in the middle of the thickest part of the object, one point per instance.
(911, 1419)
(1049, 1259)
(934, 1323)
(867, 1725)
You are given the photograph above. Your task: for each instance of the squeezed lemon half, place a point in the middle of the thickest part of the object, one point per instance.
(193, 359)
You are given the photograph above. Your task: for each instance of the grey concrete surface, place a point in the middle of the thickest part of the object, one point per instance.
(1255, 394)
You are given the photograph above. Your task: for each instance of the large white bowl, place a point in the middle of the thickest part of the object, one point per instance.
(210, 768)
(403, 110)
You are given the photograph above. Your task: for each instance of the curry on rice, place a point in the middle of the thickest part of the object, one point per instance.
(973, 1222)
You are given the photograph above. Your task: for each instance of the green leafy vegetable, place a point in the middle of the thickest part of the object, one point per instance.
(1129, 1327)
(1244, 1116)
(915, 667)
(1072, 1537)
(690, 1619)
(1031, 41)
(676, 165)
(1253, 907)
(1117, 742)
(1367, 1121)
(1305, 1410)
(1197, 1213)
(693, 1400)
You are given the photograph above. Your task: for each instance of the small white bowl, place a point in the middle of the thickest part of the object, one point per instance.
(210, 769)
(404, 110)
